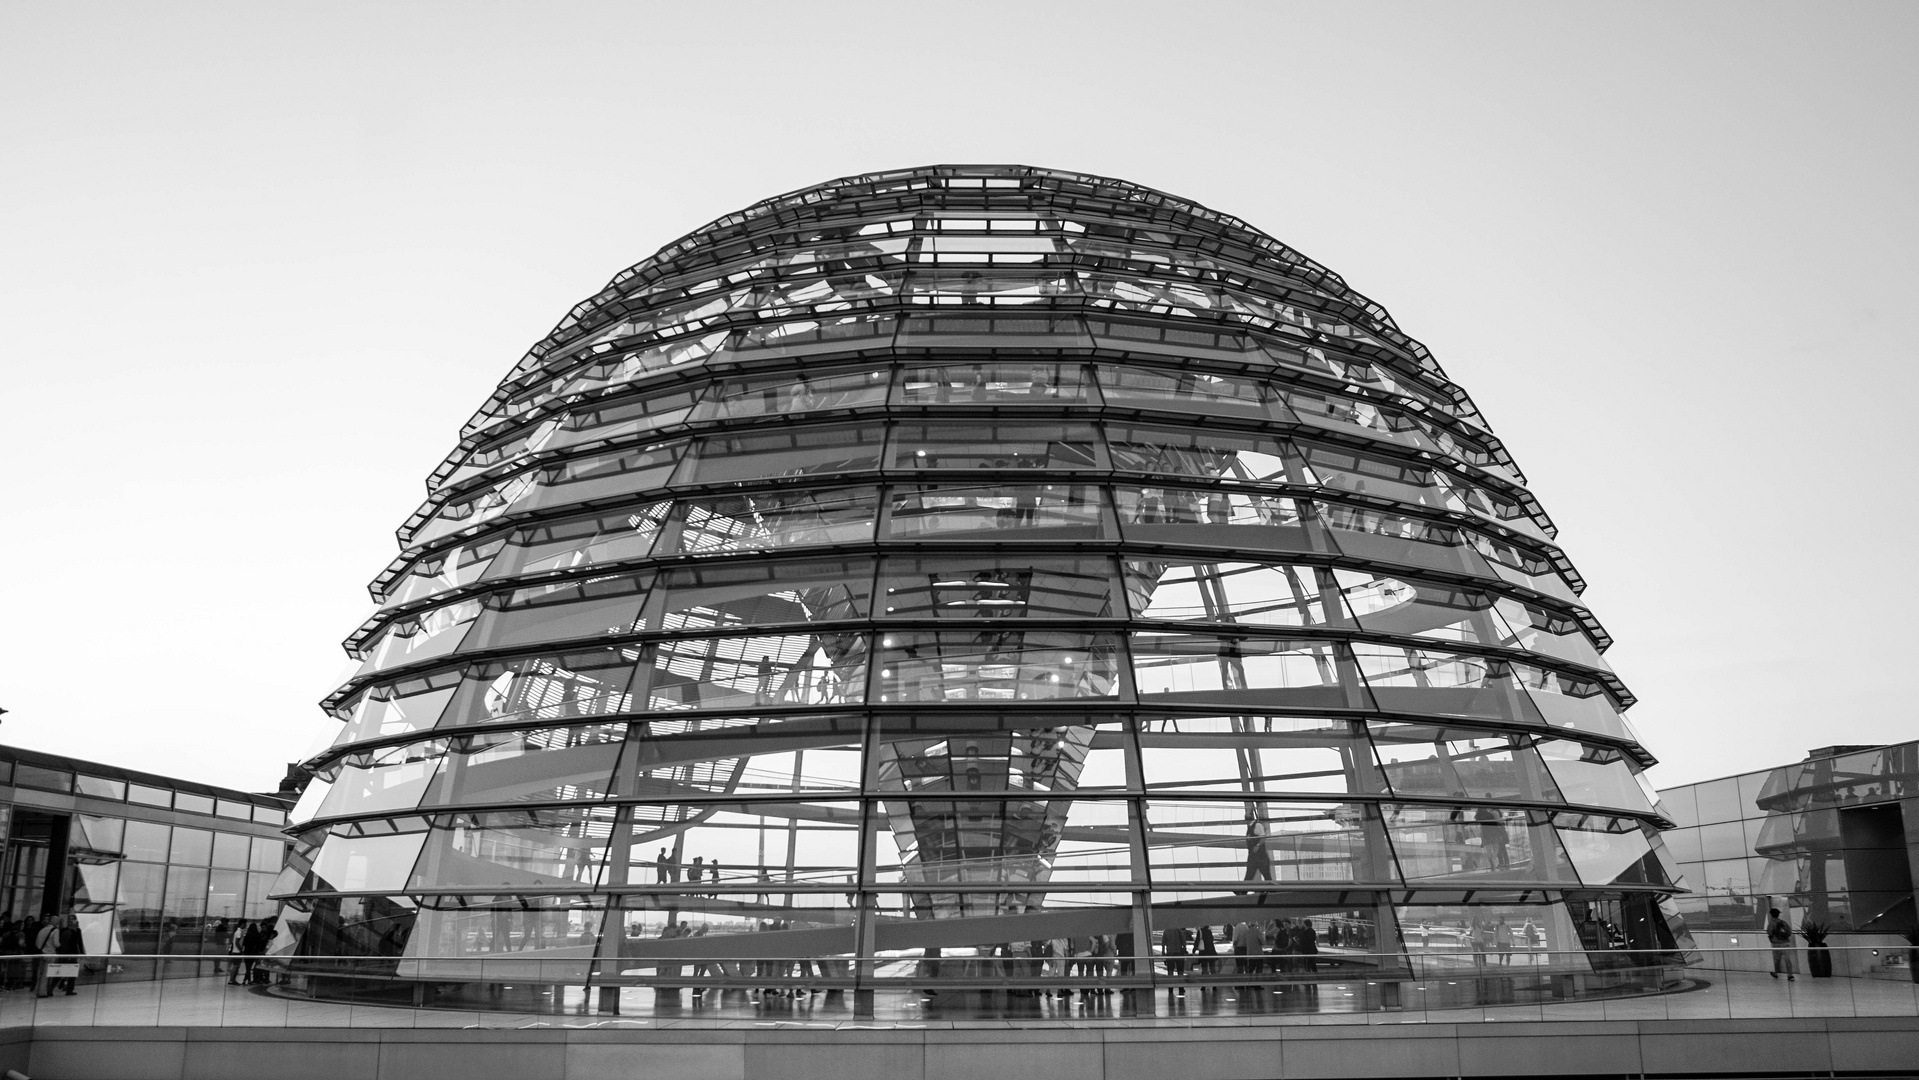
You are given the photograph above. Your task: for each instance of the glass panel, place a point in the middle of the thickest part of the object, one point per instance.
(348, 863)
(408, 705)
(185, 912)
(789, 393)
(100, 787)
(1594, 776)
(1257, 594)
(1719, 801)
(267, 815)
(1257, 841)
(228, 808)
(150, 796)
(1210, 455)
(556, 686)
(459, 565)
(991, 445)
(1512, 563)
(412, 639)
(613, 419)
(475, 938)
(1295, 755)
(1189, 392)
(736, 755)
(988, 587)
(1309, 672)
(985, 383)
(1393, 605)
(1574, 704)
(607, 537)
(1398, 540)
(934, 933)
(142, 891)
(1608, 850)
(772, 520)
(101, 834)
(1469, 843)
(998, 665)
(1067, 511)
(749, 847)
(1723, 840)
(546, 764)
(1237, 520)
(191, 803)
(392, 778)
(191, 847)
(580, 608)
(226, 899)
(1381, 478)
(525, 849)
(988, 841)
(746, 595)
(1435, 683)
(1548, 633)
(741, 672)
(1451, 939)
(230, 850)
(599, 476)
(35, 776)
(1422, 759)
(944, 754)
(800, 451)
(267, 854)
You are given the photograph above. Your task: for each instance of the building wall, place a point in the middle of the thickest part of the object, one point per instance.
(154, 865)
(1826, 839)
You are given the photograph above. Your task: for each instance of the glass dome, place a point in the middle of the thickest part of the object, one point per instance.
(928, 575)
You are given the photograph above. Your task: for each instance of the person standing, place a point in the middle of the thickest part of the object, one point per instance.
(71, 947)
(1784, 960)
(46, 945)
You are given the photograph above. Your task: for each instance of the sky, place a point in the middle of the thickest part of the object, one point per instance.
(259, 262)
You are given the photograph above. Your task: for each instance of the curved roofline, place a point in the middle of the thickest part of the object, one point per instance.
(814, 193)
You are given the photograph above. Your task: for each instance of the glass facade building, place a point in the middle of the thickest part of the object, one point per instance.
(929, 570)
(148, 864)
(1830, 840)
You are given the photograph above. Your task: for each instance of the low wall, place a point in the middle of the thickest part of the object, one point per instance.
(1731, 1048)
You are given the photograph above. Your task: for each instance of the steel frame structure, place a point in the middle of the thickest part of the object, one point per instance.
(982, 563)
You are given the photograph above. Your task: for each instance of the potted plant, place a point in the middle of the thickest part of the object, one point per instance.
(1818, 956)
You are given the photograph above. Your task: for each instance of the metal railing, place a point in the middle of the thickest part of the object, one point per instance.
(507, 990)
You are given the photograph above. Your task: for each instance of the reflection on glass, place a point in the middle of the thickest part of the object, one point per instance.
(997, 665)
(1293, 755)
(1423, 759)
(1256, 841)
(1068, 510)
(988, 587)
(800, 392)
(746, 595)
(585, 541)
(1257, 594)
(994, 383)
(797, 451)
(1208, 455)
(994, 445)
(1185, 663)
(769, 669)
(772, 520)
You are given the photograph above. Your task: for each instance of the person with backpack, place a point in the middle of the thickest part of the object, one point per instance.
(46, 945)
(1784, 959)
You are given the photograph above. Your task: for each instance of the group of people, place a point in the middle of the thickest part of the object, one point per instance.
(31, 945)
(247, 942)
(668, 867)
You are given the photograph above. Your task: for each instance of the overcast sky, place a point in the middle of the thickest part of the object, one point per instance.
(258, 262)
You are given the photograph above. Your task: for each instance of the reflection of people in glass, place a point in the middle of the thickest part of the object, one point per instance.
(1493, 837)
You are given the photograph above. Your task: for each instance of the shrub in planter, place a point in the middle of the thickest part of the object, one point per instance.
(1818, 956)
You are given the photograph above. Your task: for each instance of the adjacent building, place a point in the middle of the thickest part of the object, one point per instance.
(1831, 841)
(150, 865)
(911, 572)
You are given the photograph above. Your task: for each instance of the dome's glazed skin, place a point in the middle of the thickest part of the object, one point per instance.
(967, 557)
